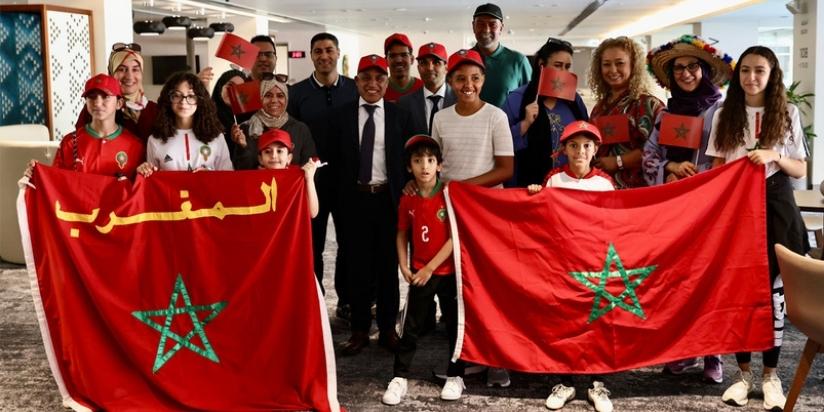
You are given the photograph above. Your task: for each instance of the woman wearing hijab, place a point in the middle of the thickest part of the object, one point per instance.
(138, 113)
(275, 97)
(693, 71)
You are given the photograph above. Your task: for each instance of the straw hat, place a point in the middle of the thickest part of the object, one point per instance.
(658, 59)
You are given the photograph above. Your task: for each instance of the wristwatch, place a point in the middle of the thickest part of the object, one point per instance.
(620, 162)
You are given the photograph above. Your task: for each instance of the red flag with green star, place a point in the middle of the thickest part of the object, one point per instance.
(681, 131)
(237, 50)
(180, 292)
(557, 83)
(614, 128)
(245, 97)
(570, 281)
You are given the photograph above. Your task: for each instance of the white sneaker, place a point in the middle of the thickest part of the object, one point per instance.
(774, 399)
(599, 396)
(453, 388)
(738, 394)
(497, 376)
(561, 394)
(395, 391)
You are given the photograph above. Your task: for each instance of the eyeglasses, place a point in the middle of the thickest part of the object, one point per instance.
(266, 54)
(178, 97)
(553, 40)
(279, 77)
(126, 46)
(692, 67)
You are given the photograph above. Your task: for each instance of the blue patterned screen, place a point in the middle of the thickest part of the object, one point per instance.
(21, 69)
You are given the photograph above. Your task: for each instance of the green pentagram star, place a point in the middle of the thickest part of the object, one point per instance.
(185, 341)
(608, 130)
(558, 85)
(600, 289)
(681, 132)
(237, 51)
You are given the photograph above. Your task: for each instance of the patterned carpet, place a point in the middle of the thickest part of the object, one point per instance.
(26, 383)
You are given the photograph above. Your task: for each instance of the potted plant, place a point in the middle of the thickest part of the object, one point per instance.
(802, 101)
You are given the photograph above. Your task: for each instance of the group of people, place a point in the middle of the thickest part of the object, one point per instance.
(392, 141)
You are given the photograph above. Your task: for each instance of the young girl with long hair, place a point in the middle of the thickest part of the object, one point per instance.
(756, 121)
(187, 134)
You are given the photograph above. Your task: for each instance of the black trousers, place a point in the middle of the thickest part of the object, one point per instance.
(417, 313)
(371, 259)
(328, 204)
(784, 226)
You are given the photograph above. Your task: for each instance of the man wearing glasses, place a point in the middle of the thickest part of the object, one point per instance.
(266, 59)
(398, 50)
(506, 69)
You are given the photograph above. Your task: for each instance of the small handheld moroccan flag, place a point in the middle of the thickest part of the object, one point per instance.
(614, 129)
(245, 97)
(237, 50)
(681, 131)
(557, 83)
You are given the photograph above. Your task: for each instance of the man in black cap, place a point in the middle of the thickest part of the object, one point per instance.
(506, 69)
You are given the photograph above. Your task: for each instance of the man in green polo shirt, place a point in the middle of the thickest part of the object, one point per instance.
(506, 69)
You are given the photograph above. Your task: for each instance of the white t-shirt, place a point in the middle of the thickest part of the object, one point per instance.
(470, 143)
(173, 155)
(595, 181)
(793, 149)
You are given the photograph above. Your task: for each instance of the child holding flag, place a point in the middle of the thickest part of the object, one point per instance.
(432, 268)
(756, 121)
(580, 142)
(275, 148)
(101, 146)
(187, 134)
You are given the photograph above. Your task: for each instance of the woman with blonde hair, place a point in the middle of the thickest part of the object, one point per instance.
(621, 86)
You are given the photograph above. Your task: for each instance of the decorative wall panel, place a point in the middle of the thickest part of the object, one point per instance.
(45, 59)
(21, 69)
(70, 67)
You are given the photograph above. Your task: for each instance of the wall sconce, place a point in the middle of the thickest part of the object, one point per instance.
(222, 27)
(200, 33)
(177, 22)
(149, 28)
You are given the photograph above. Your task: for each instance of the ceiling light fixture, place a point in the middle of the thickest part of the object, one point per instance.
(177, 22)
(222, 27)
(235, 9)
(684, 12)
(200, 33)
(149, 28)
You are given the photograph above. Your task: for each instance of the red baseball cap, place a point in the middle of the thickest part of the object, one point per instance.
(464, 56)
(581, 127)
(275, 136)
(105, 83)
(396, 38)
(418, 139)
(432, 49)
(373, 61)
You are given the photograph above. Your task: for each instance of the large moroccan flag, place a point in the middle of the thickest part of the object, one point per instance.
(183, 291)
(593, 282)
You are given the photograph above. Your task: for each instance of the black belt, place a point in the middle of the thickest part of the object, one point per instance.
(373, 189)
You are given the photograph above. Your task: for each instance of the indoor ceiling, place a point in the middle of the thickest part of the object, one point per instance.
(522, 17)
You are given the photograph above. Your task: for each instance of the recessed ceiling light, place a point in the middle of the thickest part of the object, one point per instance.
(427, 19)
(401, 9)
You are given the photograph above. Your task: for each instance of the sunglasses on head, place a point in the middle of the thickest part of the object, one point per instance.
(553, 40)
(279, 77)
(126, 46)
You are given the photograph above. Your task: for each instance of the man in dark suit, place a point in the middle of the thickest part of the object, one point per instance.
(366, 156)
(435, 95)
(311, 101)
